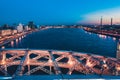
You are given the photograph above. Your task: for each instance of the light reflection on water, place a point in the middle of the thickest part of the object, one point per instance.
(102, 36)
(12, 43)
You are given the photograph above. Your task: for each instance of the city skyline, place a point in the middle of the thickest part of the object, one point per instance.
(52, 12)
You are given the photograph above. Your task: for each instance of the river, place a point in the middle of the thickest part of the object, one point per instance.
(71, 39)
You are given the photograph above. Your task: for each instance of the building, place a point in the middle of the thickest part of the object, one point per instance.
(14, 32)
(5, 32)
(111, 22)
(20, 28)
(26, 28)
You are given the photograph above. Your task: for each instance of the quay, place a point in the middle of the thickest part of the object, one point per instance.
(102, 32)
(10, 38)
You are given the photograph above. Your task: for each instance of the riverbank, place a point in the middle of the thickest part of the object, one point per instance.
(10, 38)
(107, 33)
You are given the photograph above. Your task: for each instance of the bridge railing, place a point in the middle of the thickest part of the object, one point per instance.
(73, 63)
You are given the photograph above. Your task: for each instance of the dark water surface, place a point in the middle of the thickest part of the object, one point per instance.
(68, 39)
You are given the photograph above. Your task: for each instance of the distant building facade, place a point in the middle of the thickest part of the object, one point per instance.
(26, 28)
(20, 28)
(5, 32)
(14, 32)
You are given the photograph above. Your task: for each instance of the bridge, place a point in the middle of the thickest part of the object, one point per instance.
(23, 62)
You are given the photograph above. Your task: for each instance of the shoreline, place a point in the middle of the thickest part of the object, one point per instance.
(103, 33)
(16, 36)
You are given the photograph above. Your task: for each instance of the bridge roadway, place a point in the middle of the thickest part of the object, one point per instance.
(56, 60)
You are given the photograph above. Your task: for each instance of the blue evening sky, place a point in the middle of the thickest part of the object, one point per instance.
(52, 11)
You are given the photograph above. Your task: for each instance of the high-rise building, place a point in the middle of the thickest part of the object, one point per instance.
(26, 28)
(20, 28)
(101, 22)
(111, 22)
(31, 25)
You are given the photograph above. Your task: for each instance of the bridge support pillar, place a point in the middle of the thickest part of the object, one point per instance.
(56, 67)
(5, 67)
(28, 69)
(22, 70)
(3, 57)
(4, 62)
(70, 71)
(28, 63)
(50, 69)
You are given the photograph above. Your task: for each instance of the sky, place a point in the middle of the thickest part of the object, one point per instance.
(58, 12)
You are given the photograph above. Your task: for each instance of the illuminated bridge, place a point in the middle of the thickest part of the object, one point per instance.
(29, 62)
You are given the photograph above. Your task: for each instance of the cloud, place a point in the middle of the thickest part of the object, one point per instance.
(94, 18)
